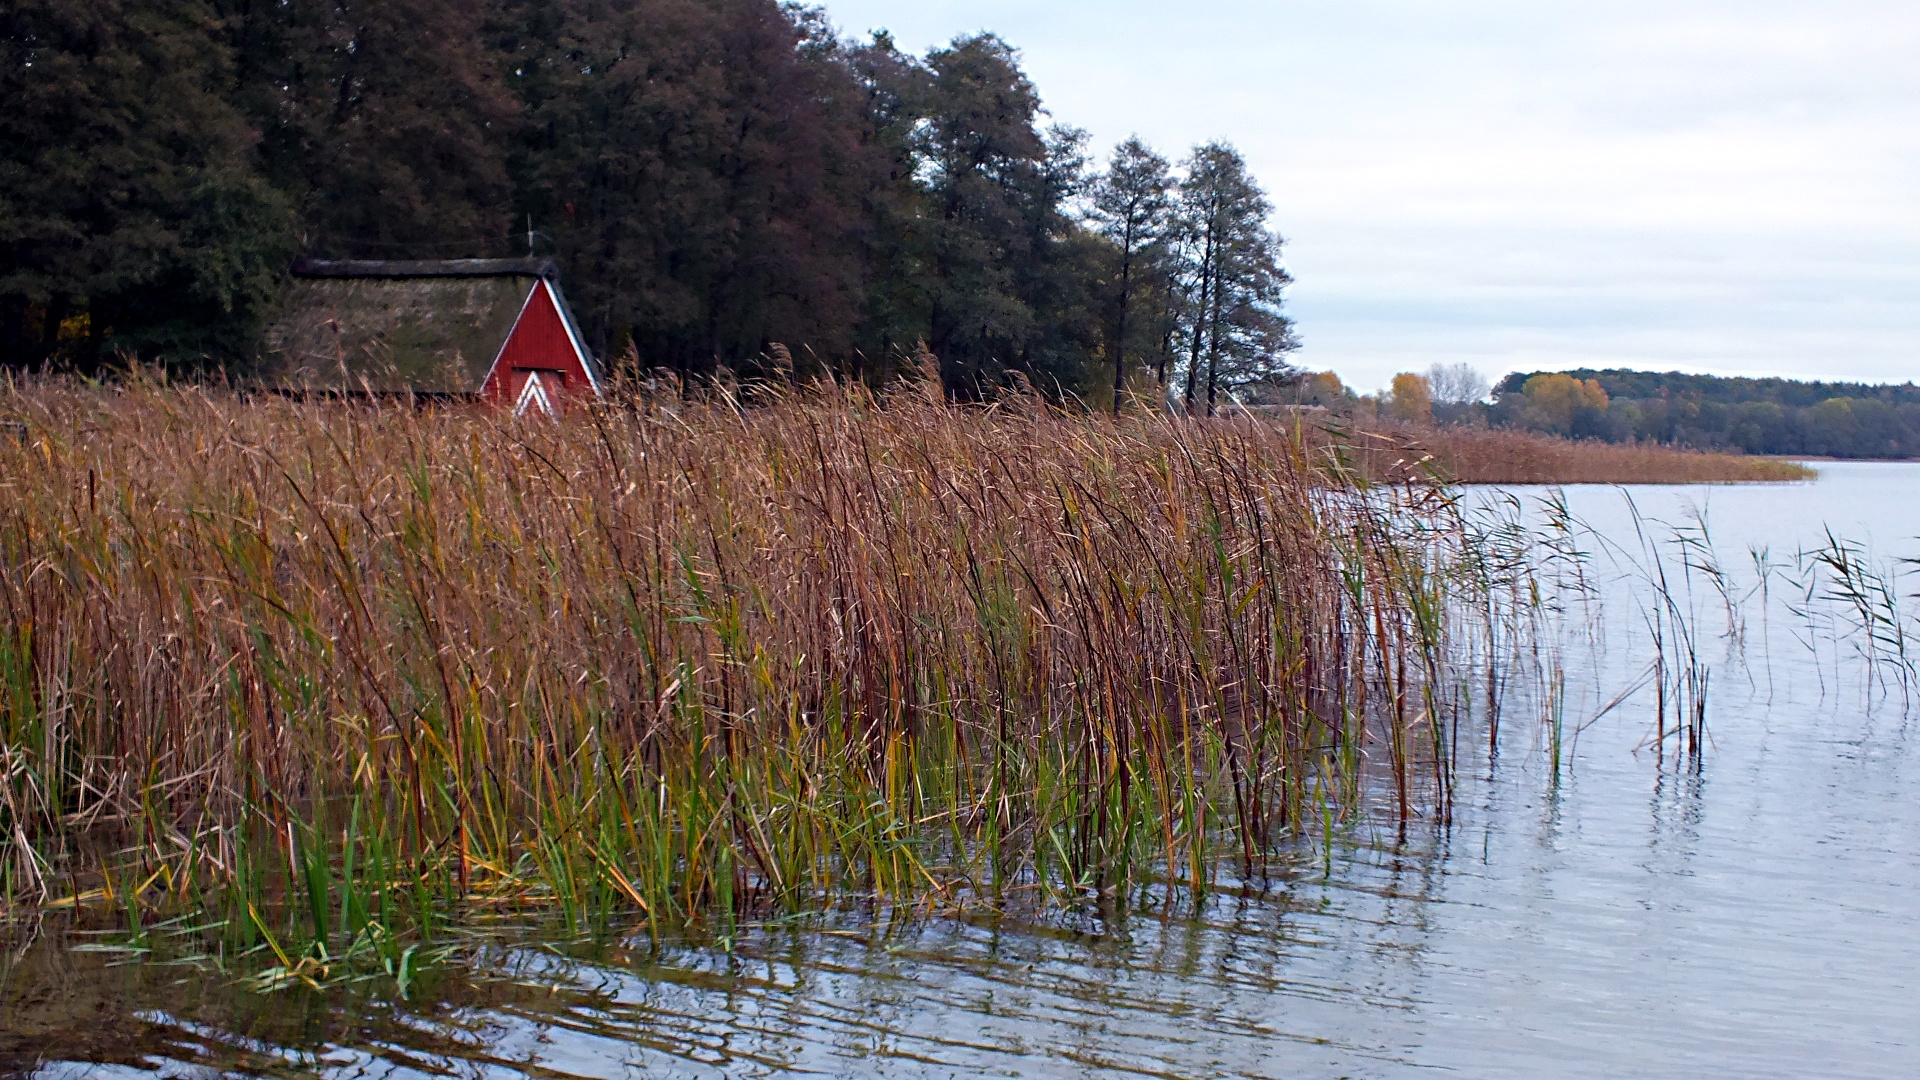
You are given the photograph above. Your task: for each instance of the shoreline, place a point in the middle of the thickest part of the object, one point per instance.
(1476, 456)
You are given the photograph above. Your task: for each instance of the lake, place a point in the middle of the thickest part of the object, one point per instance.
(1631, 913)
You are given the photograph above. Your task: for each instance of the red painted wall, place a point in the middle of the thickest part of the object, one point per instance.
(539, 343)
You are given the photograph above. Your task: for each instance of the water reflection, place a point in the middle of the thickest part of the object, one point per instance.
(1617, 916)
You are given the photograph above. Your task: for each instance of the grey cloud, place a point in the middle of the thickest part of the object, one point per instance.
(1729, 186)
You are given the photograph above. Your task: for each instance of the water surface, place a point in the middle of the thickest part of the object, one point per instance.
(1625, 915)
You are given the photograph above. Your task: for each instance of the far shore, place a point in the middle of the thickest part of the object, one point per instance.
(1823, 460)
(1464, 455)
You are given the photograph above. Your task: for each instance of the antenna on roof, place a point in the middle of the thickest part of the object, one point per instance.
(529, 234)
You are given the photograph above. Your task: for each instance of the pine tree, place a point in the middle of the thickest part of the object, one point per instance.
(1132, 205)
(1235, 323)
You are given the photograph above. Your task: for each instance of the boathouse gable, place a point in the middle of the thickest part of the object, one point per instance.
(543, 358)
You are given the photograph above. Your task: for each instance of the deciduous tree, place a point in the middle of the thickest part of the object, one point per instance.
(131, 214)
(385, 121)
(1410, 399)
(1007, 267)
(701, 167)
(1562, 404)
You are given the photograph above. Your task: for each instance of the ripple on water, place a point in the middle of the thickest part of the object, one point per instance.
(1757, 919)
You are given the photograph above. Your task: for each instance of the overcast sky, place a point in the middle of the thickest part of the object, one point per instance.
(1729, 187)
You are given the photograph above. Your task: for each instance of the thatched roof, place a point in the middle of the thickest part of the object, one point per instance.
(428, 327)
(366, 268)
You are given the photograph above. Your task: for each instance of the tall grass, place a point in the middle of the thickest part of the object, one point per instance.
(1497, 456)
(332, 672)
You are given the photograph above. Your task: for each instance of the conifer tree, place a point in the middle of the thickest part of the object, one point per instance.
(987, 190)
(1132, 205)
(1236, 330)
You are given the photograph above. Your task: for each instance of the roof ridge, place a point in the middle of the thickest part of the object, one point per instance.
(406, 268)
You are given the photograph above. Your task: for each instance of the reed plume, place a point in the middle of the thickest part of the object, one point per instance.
(336, 669)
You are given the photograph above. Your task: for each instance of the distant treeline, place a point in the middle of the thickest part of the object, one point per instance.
(1757, 416)
(724, 182)
(1702, 412)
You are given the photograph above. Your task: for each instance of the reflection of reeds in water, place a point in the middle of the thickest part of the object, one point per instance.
(329, 669)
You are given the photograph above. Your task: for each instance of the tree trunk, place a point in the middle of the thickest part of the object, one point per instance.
(95, 347)
(1120, 338)
(1213, 347)
(1169, 324)
(1200, 318)
(57, 309)
(13, 333)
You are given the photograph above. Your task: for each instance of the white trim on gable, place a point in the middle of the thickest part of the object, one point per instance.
(573, 334)
(566, 321)
(533, 395)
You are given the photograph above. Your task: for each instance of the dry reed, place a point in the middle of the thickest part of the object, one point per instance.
(333, 670)
(1468, 455)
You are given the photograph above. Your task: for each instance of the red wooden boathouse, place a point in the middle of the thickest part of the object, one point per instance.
(495, 329)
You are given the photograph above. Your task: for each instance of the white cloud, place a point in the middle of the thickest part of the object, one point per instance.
(1715, 186)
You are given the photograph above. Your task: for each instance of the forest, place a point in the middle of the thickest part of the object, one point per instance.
(1710, 412)
(1713, 413)
(728, 186)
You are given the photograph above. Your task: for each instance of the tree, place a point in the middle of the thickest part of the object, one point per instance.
(1759, 416)
(1459, 392)
(1132, 204)
(1457, 384)
(700, 167)
(1235, 280)
(385, 122)
(1410, 399)
(1323, 389)
(131, 218)
(418, 127)
(1564, 405)
(893, 89)
(990, 203)
(722, 180)
(1063, 285)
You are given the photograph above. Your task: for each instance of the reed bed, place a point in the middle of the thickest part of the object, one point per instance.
(1468, 455)
(329, 673)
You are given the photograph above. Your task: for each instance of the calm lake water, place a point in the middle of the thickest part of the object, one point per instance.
(1755, 917)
